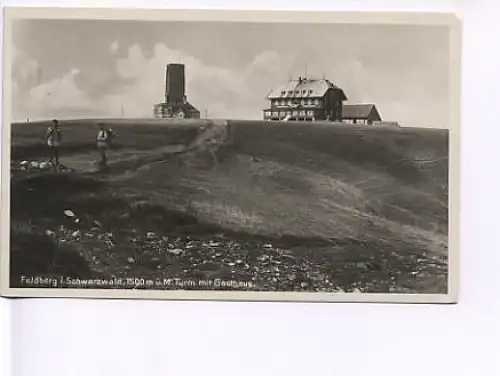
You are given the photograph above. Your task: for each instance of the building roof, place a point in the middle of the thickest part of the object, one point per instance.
(303, 88)
(360, 111)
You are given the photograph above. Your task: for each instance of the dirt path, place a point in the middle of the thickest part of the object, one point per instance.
(209, 139)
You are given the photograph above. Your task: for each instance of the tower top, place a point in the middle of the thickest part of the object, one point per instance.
(175, 85)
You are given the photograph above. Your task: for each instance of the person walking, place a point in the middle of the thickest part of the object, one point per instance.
(103, 143)
(53, 139)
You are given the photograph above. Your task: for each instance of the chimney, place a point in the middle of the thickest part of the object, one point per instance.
(175, 85)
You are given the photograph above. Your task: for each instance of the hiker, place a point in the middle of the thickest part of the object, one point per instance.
(54, 139)
(103, 143)
(111, 136)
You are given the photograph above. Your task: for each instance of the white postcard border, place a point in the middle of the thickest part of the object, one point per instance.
(372, 17)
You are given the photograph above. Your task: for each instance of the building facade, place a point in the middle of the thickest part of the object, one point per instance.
(176, 104)
(305, 99)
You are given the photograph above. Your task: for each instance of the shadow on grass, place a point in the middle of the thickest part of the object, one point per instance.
(47, 195)
(37, 255)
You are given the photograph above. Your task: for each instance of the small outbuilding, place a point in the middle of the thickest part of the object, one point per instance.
(360, 114)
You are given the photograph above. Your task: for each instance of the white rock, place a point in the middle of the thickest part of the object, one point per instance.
(76, 234)
(69, 213)
(131, 260)
(150, 235)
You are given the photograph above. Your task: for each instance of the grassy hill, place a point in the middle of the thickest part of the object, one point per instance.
(353, 206)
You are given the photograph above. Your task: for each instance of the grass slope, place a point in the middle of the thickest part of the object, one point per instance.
(369, 201)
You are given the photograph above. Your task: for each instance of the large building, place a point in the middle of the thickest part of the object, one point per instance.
(306, 100)
(176, 104)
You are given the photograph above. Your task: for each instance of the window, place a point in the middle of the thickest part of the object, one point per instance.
(310, 91)
(290, 92)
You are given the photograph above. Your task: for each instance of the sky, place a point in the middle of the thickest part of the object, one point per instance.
(93, 68)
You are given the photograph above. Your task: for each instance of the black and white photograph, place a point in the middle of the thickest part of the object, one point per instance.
(239, 155)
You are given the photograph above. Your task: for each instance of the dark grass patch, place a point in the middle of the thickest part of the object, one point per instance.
(39, 196)
(34, 254)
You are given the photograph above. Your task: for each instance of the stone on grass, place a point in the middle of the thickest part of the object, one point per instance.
(175, 251)
(69, 213)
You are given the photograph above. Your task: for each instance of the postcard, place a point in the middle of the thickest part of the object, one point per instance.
(231, 155)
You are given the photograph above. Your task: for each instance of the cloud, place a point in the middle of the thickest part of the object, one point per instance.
(60, 92)
(224, 92)
(114, 47)
(59, 97)
(25, 70)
